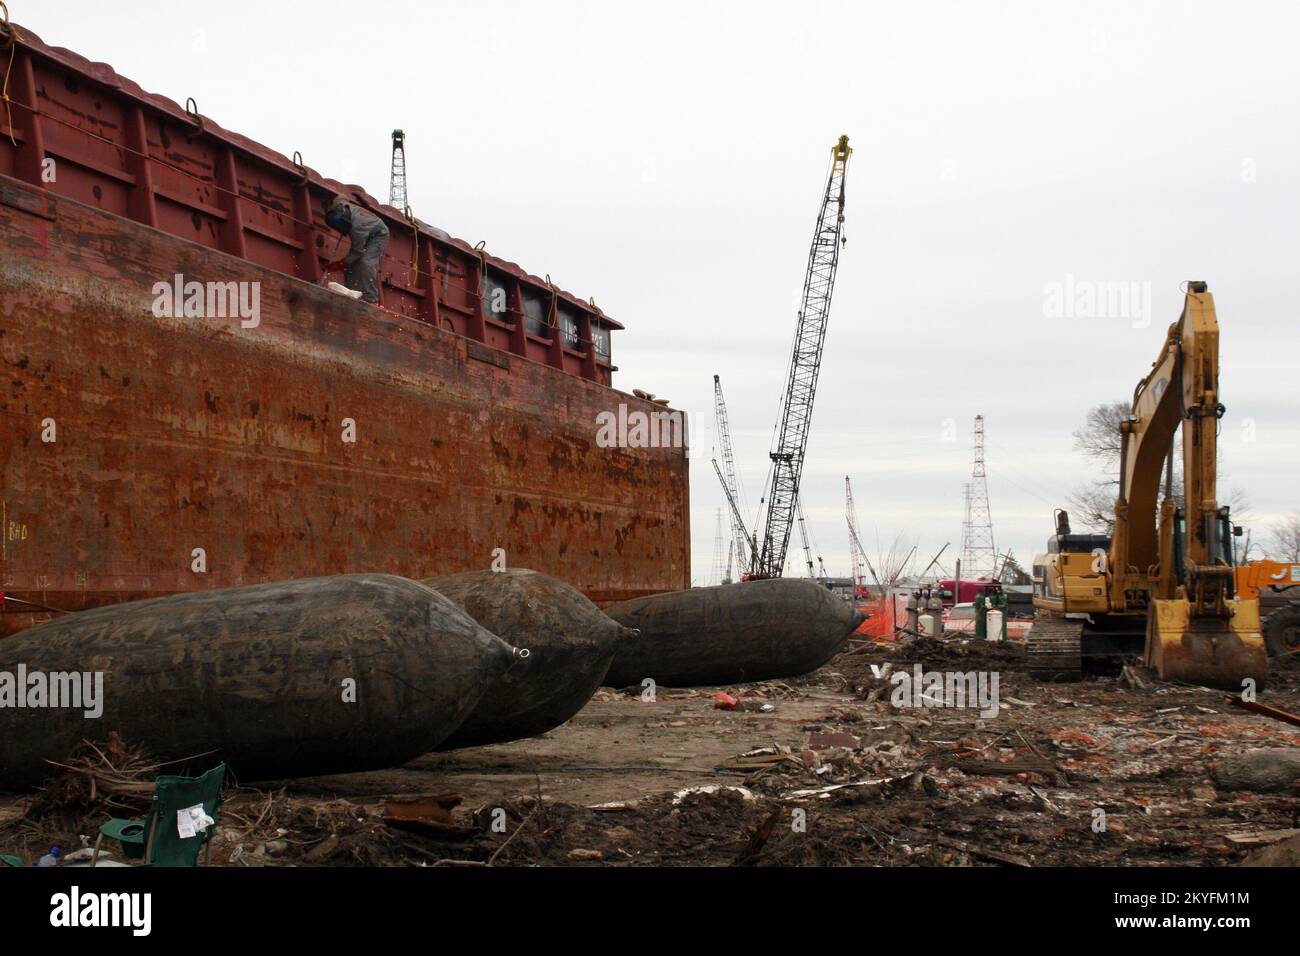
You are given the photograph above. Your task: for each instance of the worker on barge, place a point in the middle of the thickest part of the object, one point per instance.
(369, 236)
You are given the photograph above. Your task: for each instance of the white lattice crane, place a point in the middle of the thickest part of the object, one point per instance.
(742, 542)
(397, 177)
(856, 555)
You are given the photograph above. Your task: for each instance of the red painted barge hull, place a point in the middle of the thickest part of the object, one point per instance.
(176, 434)
(129, 440)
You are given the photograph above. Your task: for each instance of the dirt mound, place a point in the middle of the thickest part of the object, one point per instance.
(961, 653)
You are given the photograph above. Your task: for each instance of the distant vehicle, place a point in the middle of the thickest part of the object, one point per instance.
(970, 589)
(1281, 626)
(960, 618)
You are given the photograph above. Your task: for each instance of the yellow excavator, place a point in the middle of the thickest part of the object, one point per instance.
(1162, 585)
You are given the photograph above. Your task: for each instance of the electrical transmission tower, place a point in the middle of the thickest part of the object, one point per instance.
(717, 552)
(979, 558)
(397, 180)
(965, 522)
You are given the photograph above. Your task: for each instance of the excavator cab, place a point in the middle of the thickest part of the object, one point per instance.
(1070, 575)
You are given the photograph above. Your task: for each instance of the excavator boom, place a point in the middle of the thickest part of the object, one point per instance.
(1165, 577)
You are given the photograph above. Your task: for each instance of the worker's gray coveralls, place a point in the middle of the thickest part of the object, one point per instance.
(369, 236)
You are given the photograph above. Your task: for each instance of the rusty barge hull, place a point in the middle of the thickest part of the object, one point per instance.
(144, 454)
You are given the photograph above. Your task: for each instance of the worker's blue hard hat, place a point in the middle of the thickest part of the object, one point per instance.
(338, 218)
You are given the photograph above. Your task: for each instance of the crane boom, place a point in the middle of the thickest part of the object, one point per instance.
(803, 533)
(730, 484)
(934, 560)
(805, 363)
(853, 533)
(746, 545)
(856, 554)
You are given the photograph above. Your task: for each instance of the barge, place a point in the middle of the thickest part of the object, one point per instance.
(186, 406)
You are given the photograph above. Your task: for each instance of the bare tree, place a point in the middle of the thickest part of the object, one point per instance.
(1284, 542)
(1099, 438)
(1246, 549)
(891, 566)
(1092, 505)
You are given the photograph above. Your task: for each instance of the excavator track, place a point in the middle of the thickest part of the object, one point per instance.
(1056, 649)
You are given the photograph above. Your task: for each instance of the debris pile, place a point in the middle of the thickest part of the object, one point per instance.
(824, 769)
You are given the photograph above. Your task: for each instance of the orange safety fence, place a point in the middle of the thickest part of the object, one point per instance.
(879, 625)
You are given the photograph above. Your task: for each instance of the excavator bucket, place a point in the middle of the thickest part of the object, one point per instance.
(1215, 652)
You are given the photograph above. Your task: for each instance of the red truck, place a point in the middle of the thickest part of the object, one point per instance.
(969, 590)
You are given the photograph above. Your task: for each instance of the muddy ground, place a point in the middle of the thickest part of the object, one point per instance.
(823, 769)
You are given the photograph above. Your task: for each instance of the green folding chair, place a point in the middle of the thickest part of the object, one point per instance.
(158, 840)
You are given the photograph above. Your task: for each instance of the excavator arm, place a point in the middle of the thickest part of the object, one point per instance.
(1180, 569)
(1182, 388)
(1165, 578)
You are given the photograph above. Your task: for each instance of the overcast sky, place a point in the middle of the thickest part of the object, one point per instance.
(669, 158)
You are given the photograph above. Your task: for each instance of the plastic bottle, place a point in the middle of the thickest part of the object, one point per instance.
(51, 858)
